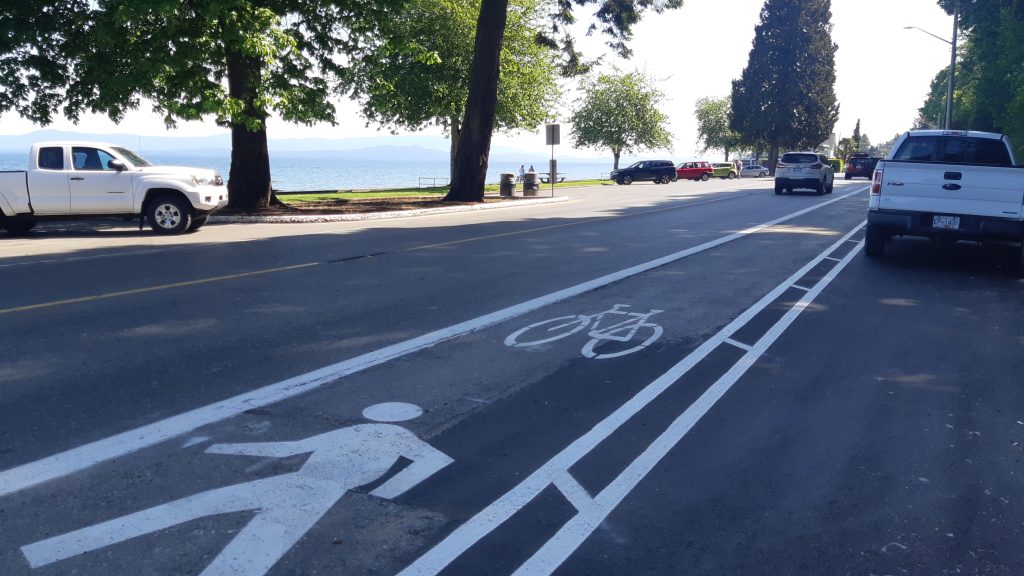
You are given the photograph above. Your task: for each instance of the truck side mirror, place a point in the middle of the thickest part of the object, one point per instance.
(116, 165)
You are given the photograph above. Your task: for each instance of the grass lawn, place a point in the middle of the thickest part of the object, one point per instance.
(437, 192)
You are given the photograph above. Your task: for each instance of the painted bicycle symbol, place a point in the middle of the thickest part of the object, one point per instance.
(601, 335)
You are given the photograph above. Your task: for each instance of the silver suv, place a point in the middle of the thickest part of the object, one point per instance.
(803, 170)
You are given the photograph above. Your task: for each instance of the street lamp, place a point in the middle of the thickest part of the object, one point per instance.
(952, 61)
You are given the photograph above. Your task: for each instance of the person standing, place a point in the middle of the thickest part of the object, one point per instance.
(522, 172)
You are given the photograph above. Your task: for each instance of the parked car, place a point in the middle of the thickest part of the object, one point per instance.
(860, 165)
(953, 185)
(658, 171)
(695, 171)
(724, 170)
(754, 171)
(82, 180)
(804, 170)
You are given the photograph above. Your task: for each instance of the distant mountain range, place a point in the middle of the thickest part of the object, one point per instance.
(419, 148)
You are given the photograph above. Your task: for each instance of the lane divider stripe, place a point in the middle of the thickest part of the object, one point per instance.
(134, 291)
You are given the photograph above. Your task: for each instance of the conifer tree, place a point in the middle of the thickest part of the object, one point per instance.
(786, 95)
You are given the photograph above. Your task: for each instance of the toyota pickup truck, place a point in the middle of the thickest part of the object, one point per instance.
(80, 180)
(951, 185)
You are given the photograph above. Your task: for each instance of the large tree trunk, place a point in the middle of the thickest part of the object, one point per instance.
(474, 147)
(249, 176)
(454, 132)
(773, 158)
(616, 154)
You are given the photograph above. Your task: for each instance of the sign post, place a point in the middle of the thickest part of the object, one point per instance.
(551, 138)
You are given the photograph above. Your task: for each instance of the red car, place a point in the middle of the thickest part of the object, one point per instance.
(695, 171)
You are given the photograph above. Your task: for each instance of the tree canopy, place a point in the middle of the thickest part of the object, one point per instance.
(615, 19)
(989, 74)
(786, 94)
(416, 73)
(713, 131)
(620, 112)
(236, 61)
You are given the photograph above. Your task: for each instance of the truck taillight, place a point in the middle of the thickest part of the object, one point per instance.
(876, 183)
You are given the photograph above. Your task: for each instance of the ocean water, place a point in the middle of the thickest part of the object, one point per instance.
(298, 172)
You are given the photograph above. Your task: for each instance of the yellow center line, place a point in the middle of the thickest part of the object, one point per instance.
(108, 295)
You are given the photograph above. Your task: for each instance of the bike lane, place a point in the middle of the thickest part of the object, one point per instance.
(881, 434)
(498, 412)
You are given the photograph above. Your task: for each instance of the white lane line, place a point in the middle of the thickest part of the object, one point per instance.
(574, 492)
(488, 519)
(556, 550)
(834, 259)
(799, 287)
(737, 344)
(88, 455)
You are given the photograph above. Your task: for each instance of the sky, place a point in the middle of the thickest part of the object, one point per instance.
(883, 73)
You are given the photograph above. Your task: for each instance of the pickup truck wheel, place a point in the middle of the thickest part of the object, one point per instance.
(169, 215)
(17, 227)
(874, 242)
(198, 222)
(704, 177)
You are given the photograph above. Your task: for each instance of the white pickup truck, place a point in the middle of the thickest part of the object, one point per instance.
(951, 185)
(77, 180)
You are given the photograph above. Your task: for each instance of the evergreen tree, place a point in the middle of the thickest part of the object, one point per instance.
(786, 95)
(856, 135)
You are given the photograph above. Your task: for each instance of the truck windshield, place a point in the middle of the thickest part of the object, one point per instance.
(954, 150)
(135, 159)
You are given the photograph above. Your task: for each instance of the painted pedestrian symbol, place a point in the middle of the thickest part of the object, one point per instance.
(623, 332)
(286, 506)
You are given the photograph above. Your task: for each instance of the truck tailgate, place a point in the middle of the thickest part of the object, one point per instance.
(953, 189)
(14, 192)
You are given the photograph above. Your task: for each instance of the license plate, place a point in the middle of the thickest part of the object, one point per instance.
(798, 170)
(947, 222)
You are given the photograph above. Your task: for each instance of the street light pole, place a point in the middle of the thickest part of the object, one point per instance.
(952, 66)
(952, 62)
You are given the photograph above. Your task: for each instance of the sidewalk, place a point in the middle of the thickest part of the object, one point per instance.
(305, 218)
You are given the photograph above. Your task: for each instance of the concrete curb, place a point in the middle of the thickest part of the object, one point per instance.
(305, 218)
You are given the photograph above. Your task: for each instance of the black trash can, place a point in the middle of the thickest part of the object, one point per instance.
(508, 184)
(531, 184)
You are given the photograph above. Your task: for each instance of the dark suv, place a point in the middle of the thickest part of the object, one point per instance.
(659, 171)
(860, 164)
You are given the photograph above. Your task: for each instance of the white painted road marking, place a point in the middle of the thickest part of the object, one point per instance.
(593, 511)
(286, 506)
(621, 331)
(88, 455)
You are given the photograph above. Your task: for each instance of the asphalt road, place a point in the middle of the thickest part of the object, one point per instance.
(700, 378)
